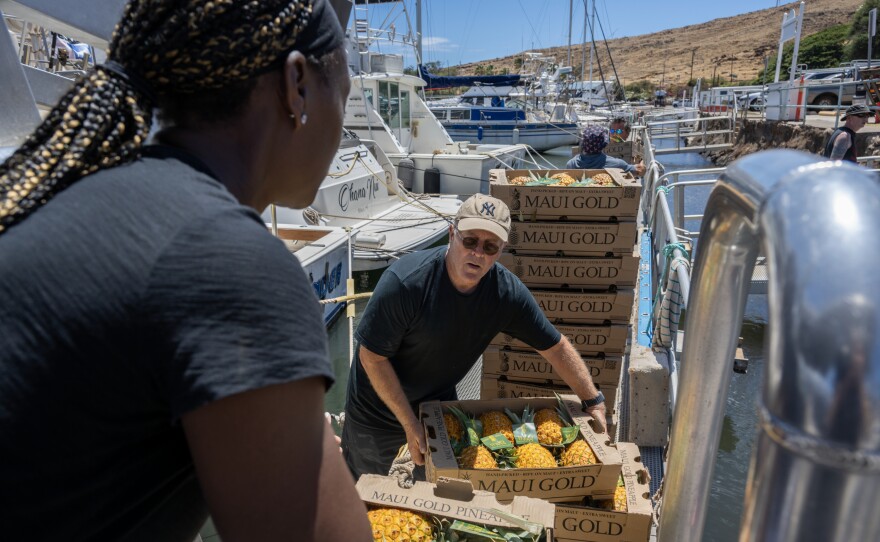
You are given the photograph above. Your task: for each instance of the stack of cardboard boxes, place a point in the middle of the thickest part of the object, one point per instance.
(574, 248)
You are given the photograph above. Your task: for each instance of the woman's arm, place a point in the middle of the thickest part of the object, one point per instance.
(270, 469)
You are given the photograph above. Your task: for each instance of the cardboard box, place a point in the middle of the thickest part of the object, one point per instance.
(573, 272)
(572, 238)
(453, 499)
(609, 339)
(500, 387)
(622, 150)
(531, 367)
(559, 484)
(586, 306)
(567, 203)
(581, 523)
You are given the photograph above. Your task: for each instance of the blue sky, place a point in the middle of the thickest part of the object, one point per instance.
(459, 31)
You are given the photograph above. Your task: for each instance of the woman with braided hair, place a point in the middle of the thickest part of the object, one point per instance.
(163, 356)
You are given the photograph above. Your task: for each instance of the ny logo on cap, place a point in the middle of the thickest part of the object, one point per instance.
(488, 209)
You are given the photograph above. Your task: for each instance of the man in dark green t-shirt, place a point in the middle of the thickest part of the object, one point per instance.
(430, 318)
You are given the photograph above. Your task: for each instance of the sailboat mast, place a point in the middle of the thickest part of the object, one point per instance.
(419, 31)
(570, 14)
(592, 48)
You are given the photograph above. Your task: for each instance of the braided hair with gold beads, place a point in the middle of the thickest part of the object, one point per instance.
(177, 55)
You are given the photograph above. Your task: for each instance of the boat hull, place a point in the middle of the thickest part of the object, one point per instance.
(540, 136)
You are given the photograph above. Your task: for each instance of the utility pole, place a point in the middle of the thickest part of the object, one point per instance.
(731, 70)
(714, 68)
(691, 78)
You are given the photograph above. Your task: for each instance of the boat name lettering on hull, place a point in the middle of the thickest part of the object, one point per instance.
(592, 526)
(570, 238)
(560, 272)
(569, 202)
(349, 192)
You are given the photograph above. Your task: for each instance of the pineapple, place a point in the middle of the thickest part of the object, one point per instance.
(453, 427)
(578, 453)
(477, 457)
(495, 421)
(534, 456)
(618, 504)
(549, 426)
(391, 524)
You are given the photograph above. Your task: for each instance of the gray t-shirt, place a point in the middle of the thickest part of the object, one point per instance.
(136, 295)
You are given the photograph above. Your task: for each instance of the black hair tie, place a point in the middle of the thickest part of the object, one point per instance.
(133, 80)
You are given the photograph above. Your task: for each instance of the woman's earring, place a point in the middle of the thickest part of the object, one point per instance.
(303, 118)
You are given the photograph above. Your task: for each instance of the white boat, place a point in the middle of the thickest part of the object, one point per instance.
(323, 253)
(384, 105)
(362, 193)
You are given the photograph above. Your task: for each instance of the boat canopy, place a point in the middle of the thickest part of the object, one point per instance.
(441, 81)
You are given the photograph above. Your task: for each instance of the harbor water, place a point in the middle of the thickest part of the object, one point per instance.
(732, 461)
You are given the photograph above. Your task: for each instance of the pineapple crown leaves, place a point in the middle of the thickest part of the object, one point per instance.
(524, 430)
(496, 442)
(570, 431)
(473, 428)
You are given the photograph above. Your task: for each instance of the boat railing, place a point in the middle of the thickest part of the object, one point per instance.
(816, 462)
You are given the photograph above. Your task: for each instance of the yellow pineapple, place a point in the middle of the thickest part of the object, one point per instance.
(618, 503)
(477, 457)
(578, 453)
(453, 427)
(391, 524)
(549, 426)
(495, 421)
(534, 456)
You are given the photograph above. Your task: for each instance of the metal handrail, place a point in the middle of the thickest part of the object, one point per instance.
(816, 463)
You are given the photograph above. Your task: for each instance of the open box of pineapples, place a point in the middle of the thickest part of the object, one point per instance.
(536, 447)
(566, 194)
(450, 510)
(627, 517)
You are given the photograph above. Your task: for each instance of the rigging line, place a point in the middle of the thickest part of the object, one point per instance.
(529, 20)
(611, 59)
(599, 62)
(469, 26)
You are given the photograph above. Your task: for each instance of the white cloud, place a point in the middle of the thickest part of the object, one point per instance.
(438, 43)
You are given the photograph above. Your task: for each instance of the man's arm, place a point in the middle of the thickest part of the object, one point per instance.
(270, 468)
(387, 386)
(568, 363)
(841, 145)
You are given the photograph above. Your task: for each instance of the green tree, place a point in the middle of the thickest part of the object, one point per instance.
(517, 63)
(857, 37)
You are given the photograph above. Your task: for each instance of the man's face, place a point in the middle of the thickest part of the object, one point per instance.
(469, 258)
(856, 123)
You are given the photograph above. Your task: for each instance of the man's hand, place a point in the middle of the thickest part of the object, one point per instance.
(640, 169)
(415, 441)
(598, 413)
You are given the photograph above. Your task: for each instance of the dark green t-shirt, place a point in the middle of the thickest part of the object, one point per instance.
(432, 334)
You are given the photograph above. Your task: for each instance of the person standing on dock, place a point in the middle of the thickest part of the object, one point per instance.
(431, 316)
(619, 130)
(842, 143)
(164, 356)
(593, 140)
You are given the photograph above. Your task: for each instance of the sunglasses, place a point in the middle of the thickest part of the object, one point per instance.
(470, 243)
(616, 130)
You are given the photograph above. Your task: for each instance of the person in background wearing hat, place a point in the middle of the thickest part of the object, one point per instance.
(593, 140)
(842, 143)
(431, 316)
